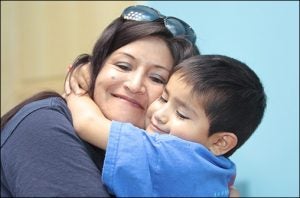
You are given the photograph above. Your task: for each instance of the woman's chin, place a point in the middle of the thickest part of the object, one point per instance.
(133, 118)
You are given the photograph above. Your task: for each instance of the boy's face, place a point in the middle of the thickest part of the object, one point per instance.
(179, 113)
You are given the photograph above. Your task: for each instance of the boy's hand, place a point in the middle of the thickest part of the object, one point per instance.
(78, 81)
(233, 192)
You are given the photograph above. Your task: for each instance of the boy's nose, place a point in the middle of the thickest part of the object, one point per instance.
(161, 119)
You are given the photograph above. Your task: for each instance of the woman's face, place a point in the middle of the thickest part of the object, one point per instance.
(131, 78)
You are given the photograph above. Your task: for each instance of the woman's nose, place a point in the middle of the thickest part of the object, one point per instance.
(135, 84)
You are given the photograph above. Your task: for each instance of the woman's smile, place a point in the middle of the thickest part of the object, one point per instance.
(131, 101)
(131, 78)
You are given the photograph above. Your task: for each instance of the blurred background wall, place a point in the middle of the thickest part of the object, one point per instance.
(40, 39)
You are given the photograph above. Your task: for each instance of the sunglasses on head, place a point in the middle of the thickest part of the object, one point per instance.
(176, 26)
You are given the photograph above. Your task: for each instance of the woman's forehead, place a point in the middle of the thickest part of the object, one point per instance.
(152, 50)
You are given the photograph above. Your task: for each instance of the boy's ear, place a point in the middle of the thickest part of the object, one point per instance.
(222, 142)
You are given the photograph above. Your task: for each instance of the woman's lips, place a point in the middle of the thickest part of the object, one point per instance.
(132, 101)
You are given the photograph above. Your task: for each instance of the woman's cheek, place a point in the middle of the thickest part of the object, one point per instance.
(155, 106)
(155, 94)
(148, 116)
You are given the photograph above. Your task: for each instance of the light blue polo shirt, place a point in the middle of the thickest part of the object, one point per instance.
(145, 164)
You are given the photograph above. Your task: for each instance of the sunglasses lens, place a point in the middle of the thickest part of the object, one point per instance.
(144, 13)
(180, 28)
(140, 13)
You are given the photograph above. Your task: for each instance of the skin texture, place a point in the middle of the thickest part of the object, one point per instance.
(132, 78)
(178, 112)
(117, 78)
(175, 112)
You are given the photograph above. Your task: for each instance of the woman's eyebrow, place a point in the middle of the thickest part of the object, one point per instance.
(126, 54)
(134, 58)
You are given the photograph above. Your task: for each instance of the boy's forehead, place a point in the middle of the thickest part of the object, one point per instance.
(176, 76)
(178, 81)
(182, 95)
(177, 87)
(180, 86)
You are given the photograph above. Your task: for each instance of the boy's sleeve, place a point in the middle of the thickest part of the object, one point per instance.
(138, 163)
(126, 151)
(45, 158)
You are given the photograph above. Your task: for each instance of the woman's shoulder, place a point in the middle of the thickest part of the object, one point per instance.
(60, 105)
(57, 104)
(37, 115)
(51, 103)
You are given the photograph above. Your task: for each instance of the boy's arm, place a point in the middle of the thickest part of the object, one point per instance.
(89, 122)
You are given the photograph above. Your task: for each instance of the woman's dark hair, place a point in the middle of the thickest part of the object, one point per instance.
(119, 33)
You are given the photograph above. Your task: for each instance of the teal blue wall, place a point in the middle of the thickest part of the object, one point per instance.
(265, 35)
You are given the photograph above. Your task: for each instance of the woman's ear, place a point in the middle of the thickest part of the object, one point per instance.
(222, 142)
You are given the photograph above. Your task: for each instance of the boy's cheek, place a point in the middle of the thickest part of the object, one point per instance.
(151, 109)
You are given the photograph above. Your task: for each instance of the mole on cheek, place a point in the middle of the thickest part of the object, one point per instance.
(113, 77)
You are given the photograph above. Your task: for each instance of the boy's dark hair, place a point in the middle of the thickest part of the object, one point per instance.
(229, 91)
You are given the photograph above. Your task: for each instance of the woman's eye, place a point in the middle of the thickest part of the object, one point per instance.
(181, 116)
(158, 79)
(124, 66)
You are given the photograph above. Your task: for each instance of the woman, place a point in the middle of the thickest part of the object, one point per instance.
(40, 153)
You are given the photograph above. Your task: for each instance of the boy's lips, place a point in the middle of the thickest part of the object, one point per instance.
(133, 101)
(157, 129)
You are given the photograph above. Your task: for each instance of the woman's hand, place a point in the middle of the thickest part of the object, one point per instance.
(78, 80)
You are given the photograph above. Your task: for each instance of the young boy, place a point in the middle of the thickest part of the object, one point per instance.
(209, 108)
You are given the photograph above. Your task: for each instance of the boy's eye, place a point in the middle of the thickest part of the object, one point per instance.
(181, 116)
(162, 99)
(123, 66)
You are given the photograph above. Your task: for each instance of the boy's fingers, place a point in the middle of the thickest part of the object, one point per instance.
(83, 76)
(67, 84)
(87, 76)
(74, 85)
(83, 83)
(64, 95)
(233, 192)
